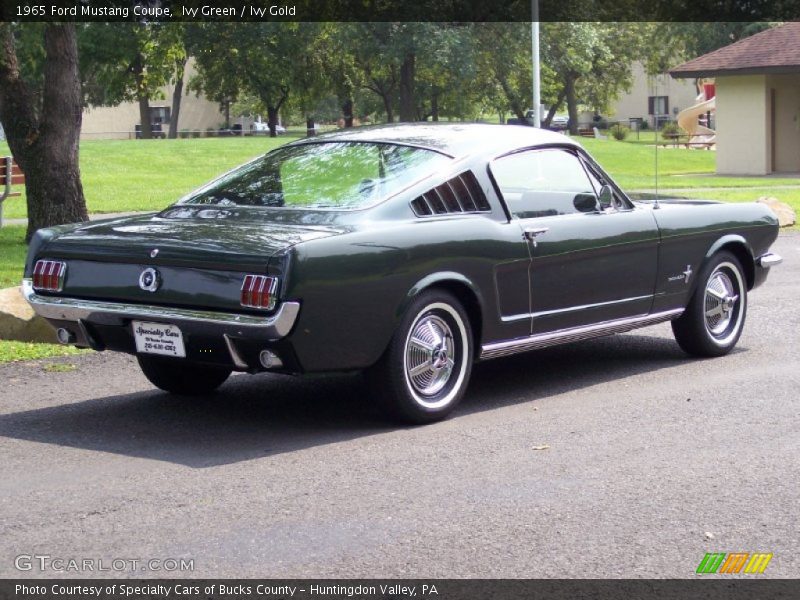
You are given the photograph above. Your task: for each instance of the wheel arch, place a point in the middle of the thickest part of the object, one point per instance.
(461, 287)
(740, 248)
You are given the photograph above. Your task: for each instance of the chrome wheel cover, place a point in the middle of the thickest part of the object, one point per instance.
(430, 355)
(434, 357)
(724, 303)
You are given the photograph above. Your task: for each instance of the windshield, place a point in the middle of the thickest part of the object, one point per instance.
(340, 175)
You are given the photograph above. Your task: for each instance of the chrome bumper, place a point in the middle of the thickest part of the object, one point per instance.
(768, 260)
(270, 328)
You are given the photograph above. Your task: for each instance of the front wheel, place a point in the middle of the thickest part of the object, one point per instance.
(714, 318)
(424, 373)
(182, 378)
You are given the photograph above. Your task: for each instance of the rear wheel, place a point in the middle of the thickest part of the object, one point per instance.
(182, 378)
(714, 318)
(424, 373)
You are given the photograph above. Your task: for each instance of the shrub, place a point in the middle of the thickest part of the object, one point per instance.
(619, 131)
(183, 133)
(671, 129)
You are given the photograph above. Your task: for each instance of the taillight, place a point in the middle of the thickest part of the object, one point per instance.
(48, 275)
(258, 291)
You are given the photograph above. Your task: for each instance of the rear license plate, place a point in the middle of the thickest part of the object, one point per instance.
(158, 338)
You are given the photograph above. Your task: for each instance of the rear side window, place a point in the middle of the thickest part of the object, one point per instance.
(541, 183)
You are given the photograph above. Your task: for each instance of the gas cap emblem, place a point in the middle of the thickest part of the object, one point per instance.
(150, 280)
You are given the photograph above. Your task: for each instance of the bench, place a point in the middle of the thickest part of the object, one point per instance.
(10, 175)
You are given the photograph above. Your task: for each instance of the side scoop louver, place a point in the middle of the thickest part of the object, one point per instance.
(461, 194)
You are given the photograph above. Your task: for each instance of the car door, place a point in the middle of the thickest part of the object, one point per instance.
(589, 263)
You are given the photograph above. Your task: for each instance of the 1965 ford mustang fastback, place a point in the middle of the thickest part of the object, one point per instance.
(408, 251)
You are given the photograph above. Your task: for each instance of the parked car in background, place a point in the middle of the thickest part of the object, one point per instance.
(559, 122)
(406, 251)
(260, 127)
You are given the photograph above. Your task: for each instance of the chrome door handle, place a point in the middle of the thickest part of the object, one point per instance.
(530, 233)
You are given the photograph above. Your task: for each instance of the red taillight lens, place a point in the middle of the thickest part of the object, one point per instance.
(258, 291)
(48, 275)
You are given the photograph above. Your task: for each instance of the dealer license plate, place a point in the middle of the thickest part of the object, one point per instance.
(158, 338)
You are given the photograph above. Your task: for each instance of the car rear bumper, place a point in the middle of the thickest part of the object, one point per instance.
(211, 336)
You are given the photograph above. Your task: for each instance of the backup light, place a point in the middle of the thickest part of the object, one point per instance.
(258, 291)
(48, 275)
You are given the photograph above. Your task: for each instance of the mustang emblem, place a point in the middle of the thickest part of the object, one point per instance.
(150, 280)
(685, 275)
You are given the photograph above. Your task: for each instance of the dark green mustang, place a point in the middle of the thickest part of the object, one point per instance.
(408, 251)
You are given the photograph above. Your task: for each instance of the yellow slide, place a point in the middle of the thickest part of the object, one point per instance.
(688, 121)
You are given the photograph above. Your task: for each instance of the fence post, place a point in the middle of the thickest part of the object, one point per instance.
(8, 167)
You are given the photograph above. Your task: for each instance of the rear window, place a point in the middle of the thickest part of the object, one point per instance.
(329, 175)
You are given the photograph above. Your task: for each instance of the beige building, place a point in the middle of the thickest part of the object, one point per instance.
(757, 101)
(119, 122)
(653, 97)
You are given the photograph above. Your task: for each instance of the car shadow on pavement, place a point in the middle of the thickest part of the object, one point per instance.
(253, 417)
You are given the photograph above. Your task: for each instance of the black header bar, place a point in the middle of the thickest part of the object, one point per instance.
(399, 10)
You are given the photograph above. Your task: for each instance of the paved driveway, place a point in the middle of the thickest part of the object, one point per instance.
(652, 460)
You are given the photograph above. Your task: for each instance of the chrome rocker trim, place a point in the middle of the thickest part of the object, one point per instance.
(574, 334)
(770, 259)
(74, 309)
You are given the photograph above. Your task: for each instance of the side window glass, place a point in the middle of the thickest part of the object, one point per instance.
(543, 183)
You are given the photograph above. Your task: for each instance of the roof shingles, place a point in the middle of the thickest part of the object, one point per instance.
(775, 50)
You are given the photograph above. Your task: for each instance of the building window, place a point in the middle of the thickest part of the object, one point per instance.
(159, 114)
(658, 105)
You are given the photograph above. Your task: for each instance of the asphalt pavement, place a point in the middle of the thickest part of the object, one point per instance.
(617, 457)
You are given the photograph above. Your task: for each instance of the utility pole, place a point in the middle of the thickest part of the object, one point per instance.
(537, 84)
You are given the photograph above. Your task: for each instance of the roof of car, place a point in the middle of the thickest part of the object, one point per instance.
(454, 139)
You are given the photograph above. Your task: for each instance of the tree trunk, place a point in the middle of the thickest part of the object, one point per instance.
(553, 110)
(227, 111)
(46, 147)
(407, 104)
(142, 97)
(572, 104)
(310, 129)
(176, 99)
(513, 100)
(347, 112)
(435, 107)
(272, 120)
(387, 105)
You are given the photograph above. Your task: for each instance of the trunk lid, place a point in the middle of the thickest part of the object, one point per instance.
(198, 237)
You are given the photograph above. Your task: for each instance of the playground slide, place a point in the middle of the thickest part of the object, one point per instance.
(687, 120)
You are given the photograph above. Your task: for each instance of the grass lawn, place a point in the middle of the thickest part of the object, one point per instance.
(131, 175)
(689, 172)
(12, 255)
(15, 351)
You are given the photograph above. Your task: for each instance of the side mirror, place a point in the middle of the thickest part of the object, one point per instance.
(606, 197)
(586, 203)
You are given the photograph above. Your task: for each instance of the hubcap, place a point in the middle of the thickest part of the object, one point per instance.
(429, 355)
(721, 300)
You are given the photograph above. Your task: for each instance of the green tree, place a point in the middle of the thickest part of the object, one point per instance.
(41, 111)
(124, 62)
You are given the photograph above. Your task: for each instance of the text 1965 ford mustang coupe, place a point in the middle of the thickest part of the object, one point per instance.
(409, 251)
